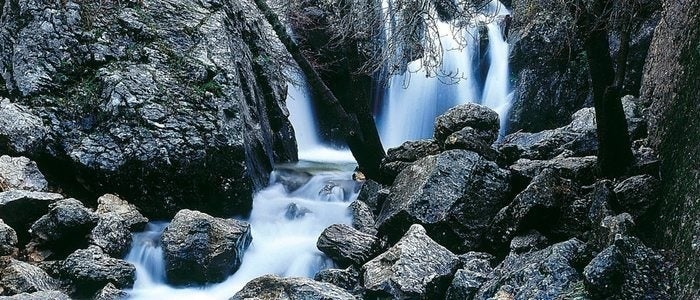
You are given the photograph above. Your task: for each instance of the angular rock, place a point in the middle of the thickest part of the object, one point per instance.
(602, 197)
(404, 155)
(20, 209)
(471, 139)
(90, 269)
(199, 248)
(362, 217)
(43, 295)
(478, 117)
(454, 195)
(580, 169)
(65, 226)
(637, 194)
(110, 292)
(416, 267)
(610, 229)
(543, 274)
(20, 277)
(112, 204)
(348, 279)
(374, 194)
(112, 235)
(531, 241)
(21, 131)
(21, 173)
(275, 287)
(347, 246)
(628, 270)
(475, 271)
(8, 239)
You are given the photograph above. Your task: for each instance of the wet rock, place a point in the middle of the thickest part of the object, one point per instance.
(275, 287)
(580, 169)
(480, 118)
(474, 140)
(416, 267)
(404, 155)
(374, 194)
(65, 227)
(8, 239)
(295, 212)
(112, 235)
(21, 173)
(628, 270)
(20, 277)
(637, 194)
(611, 228)
(90, 269)
(362, 217)
(348, 279)
(291, 179)
(110, 292)
(43, 295)
(454, 195)
(114, 206)
(531, 241)
(200, 248)
(543, 274)
(20, 209)
(475, 271)
(602, 196)
(21, 131)
(347, 246)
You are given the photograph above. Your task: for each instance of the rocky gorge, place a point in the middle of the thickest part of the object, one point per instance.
(116, 113)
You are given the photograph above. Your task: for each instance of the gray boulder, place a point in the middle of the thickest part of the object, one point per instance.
(416, 267)
(628, 270)
(112, 235)
(347, 246)
(199, 248)
(273, 287)
(404, 155)
(374, 194)
(65, 227)
(635, 195)
(109, 204)
(362, 217)
(21, 173)
(530, 241)
(43, 295)
(454, 195)
(20, 209)
(581, 169)
(479, 118)
(8, 239)
(110, 292)
(602, 198)
(20, 277)
(475, 271)
(20, 130)
(545, 274)
(91, 269)
(471, 139)
(348, 279)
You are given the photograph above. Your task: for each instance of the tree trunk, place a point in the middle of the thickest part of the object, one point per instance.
(366, 149)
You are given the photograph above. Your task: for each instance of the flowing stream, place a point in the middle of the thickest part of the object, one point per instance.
(303, 199)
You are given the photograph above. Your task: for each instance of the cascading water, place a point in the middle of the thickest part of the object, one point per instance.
(413, 101)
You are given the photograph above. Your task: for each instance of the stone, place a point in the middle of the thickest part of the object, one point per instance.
(275, 287)
(20, 277)
(21, 173)
(348, 279)
(199, 248)
(454, 195)
(109, 204)
(474, 140)
(295, 212)
(602, 197)
(404, 155)
(362, 217)
(637, 194)
(416, 267)
(531, 241)
(291, 179)
(90, 270)
(628, 270)
(19, 209)
(43, 295)
(8, 239)
(347, 246)
(480, 118)
(112, 235)
(475, 271)
(65, 226)
(610, 229)
(545, 274)
(110, 292)
(21, 131)
(374, 194)
(581, 169)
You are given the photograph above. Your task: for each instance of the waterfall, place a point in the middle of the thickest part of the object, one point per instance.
(413, 99)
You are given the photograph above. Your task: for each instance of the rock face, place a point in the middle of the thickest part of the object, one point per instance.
(20, 277)
(200, 248)
(544, 274)
(414, 268)
(274, 287)
(173, 103)
(21, 173)
(670, 78)
(65, 226)
(454, 195)
(90, 269)
(346, 245)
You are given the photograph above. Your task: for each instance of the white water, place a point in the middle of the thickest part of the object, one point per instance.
(413, 99)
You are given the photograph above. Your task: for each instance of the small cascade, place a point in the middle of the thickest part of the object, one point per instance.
(413, 100)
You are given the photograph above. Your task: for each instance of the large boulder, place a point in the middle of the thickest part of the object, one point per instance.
(20, 277)
(8, 239)
(274, 287)
(199, 248)
(400, 157)
(21, 173)
(348, 279)
(20, 209)
(482, 120)
(91, 269)
(635, 195)
(580, 169)
(475, 271)
(416, 267)
(363, 218)
(110, 292)
(347, 246)
(171, 104)
(65, 227)
(549, 273)
(454, 195)
(109, 204)
(112, 235)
